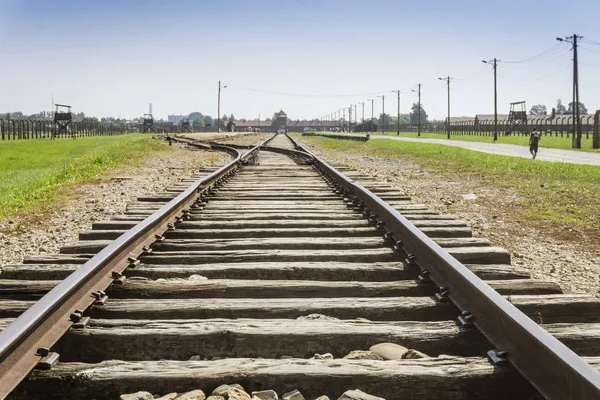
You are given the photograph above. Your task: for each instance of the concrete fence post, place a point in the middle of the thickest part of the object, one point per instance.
(596, 137)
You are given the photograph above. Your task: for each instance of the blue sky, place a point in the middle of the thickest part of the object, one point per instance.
(111, 58)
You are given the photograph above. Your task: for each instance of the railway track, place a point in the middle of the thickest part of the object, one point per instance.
(245, 275)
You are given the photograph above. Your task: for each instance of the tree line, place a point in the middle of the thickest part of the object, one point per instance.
(560, 109)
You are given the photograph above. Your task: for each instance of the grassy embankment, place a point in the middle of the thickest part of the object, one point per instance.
(565, 195)
(32, 172)
(546, 141)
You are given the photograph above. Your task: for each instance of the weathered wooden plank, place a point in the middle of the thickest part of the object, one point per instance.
(195, 257)
(250, 244)
(139, 340)
(267, 232)
(243, 224)
(199, 216)
(479, 255)
(448, 378)
(13, 308)
(265, 270)
(57, 259)
(294, 198)
(547, 308)
(440, 232)
(25, 289)
(235, 288)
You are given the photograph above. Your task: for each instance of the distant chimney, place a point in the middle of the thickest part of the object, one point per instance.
(553, 112)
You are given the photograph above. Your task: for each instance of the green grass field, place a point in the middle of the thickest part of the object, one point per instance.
(556, 192)
(31, 171)
(546, 141)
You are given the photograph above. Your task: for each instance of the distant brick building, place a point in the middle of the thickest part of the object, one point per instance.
(281, 121)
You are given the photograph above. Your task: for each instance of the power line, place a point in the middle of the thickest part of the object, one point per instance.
(550, 50)
(539, 77)
(589, 50)
(545, 60)
(590, 41)
(589, 65)
(304, 94)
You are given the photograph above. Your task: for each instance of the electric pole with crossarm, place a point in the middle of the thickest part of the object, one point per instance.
(447, 79)
(494, 63)
(576, 142)
(398, 122)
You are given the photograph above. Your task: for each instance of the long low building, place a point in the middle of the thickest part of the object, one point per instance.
(281, 121)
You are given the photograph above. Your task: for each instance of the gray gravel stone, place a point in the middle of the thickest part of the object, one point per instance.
(169, 396)
(358, 395)
(266, 395)
(413, 354)
(137, 396)
(326, 356)
(293, 395)
(317, 316)
(363, 355)
(193, 395)
(389, 351)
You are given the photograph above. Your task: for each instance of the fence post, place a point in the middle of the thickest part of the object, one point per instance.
(596, 137)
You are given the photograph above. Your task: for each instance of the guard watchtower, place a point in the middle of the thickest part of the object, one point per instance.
(517, 118)
(280, 122)
(62, 121)
(185, 125)
(148, 123)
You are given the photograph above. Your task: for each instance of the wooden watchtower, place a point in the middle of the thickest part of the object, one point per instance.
(185, 125)
(62, 121)
(517, 118)
(148, 123)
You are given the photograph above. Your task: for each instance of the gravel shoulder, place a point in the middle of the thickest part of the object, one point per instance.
(80, 205)
(575, 265)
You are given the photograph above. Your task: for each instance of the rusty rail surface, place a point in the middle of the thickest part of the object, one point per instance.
(26, 342)
(550, 366)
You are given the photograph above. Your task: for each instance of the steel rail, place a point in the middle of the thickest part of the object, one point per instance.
(550, 366)
(40, 326)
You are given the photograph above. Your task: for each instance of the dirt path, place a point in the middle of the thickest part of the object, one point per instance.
(574, 264)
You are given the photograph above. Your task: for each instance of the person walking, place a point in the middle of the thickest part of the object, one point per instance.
(534, 140)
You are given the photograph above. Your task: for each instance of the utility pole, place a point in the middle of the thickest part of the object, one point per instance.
(355, 116)
(576, 140)
(419, 110)
(447, 79)
(363, 112)
(382, 113)
(398, 122)
(372, 114)
(344, 116)
(494, 63)
(219, 107)
(350, 118)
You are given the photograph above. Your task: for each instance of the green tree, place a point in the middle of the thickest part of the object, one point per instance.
(582, 109)
(208, 121)
(195, 115)
(414, 114)
(560, 108)
(538, 109)
(231, 117)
